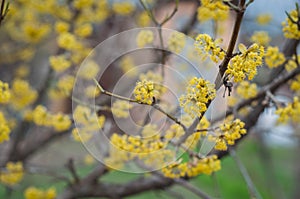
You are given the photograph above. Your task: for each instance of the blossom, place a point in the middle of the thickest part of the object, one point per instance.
(144, 37)
(198, 93)
(4, 128)
(176, 42)
(120, 108)
(261, 38)
(5, 93)
(273, 57)
(245, 64)
(35, 193)
(123, 8)
(246, 90)
(144, 92)
(205, 46)
(215, 10)
(290, 28)
(59, 63)
(263, 19)
(13, 174)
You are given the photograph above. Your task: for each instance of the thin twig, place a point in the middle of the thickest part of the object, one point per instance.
(70, 166)
(251, 187)
(191, 188)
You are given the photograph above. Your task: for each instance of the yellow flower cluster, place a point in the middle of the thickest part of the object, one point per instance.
(175, 131)
(87, 123)
(79, 4)
(176, 42)
(230, 132)
(273, 57)
(84, 30)
(212, 9)
(5, 93)
(205, 45)
(193, 168)
(291, 63)
(295, 85)
(290, 28)
(59, 63)
(61, 27)
(263, 19)
(198, 93)
(22, 94)
(42, 117)
(261, 38)
(137, 146)
(35, 32)
(127, 65)
(63, 87)
(246, 90)
(35, 193)
(13, 173)
(68, 41)
(89, 70)
(144, 38)
(245, 64)
(143, 19)
(123, 8)
(4, 128)
(144, 92)
(157, 80)
(289, 113)
(120, 108)
(92, 91)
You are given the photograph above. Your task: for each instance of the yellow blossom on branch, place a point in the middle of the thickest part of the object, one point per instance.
(5, 93)
(123, 8)
(22, 94)
(263, 19)
(261, 38)
(144, 91)
(245, 64)
(289, 113)
(206, 46)
(290, 25)
(246, 90)
(273, 57)
(198, 93)
(35, 193)
(4, 128)
(144, 38)
(12, 174)
(212, 9)
(59, 63)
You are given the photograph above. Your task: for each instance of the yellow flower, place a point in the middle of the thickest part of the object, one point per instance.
(263, 19)
(59, 63)
(35, 193)
(273, 57)
(205, 45)
(4, 128)
(176, 42)
(68, 41)
(92, 91)
(79, 4)
(290, 28)
(22, 94)
(127, 65)
(84, 30)
(123, 8)
(198, 93)
(295, 85)
(120, 109)
(289, 113)
(261, 38)
(13, 174)
(60, 122)
(89, 70)
(246, 90)
(245, 64)
(143, 19)
(61, 27)
(5, 93)
(144, 37)
(215, 10)
(144, 91)
(34, 32)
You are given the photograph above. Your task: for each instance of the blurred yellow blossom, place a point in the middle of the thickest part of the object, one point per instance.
(261, 38)
(273, 57)
(35, 193)
(59, 63)
(144, 37)
(12, 174)
(215, 10)
(123, 8)
(176, 42)
(4, 128)
(5, 93)
(263, 19)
